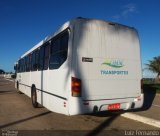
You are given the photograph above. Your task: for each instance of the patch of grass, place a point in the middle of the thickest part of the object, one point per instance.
(151, 86)
(157, 86)
(158, 91)
(148, 82)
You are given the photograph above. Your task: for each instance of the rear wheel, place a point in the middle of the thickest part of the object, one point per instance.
(34, 97)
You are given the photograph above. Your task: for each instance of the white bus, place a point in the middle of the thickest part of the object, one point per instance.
(86, 66)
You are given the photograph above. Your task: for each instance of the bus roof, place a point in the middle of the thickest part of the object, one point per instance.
(63, 27)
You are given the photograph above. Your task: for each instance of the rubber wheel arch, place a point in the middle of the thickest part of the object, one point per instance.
(34, 97)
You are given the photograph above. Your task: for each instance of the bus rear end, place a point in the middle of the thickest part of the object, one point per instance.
(106, 68)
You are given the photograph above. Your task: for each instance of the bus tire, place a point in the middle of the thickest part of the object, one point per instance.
(34, 97)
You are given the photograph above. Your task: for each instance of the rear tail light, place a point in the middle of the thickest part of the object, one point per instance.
(141, 85)
(76, 87)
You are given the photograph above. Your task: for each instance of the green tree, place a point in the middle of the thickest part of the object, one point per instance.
(154, 66)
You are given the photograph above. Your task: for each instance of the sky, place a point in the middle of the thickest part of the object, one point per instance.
(23, 23)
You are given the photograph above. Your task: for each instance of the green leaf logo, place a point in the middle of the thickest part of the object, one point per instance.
(113, 63)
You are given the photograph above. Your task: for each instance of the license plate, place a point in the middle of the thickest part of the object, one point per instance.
(115, 106)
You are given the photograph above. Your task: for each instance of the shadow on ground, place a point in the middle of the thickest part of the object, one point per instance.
(149, 95)
(7, 92)
(101, 128)
(23, 120)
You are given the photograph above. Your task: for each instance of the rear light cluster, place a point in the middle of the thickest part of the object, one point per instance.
(76, 87)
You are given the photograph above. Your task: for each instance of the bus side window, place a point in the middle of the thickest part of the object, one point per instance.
(19, 66)
(36, 59)
(64, 47)
(33, 61)
(22, 63)
(25, 64)
(41, 58)
(64, 42)
(30, 62)
(54, 57)
(59, 49)
(46, 56)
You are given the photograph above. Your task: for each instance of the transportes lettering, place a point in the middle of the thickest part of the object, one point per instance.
(113, 72)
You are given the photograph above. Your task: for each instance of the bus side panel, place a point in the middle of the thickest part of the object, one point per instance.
(58, 85)
(23, 80)
(55, 85)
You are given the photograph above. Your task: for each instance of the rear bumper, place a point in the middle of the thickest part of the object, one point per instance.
(126, 104)
(138, 101)
(102, 105)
